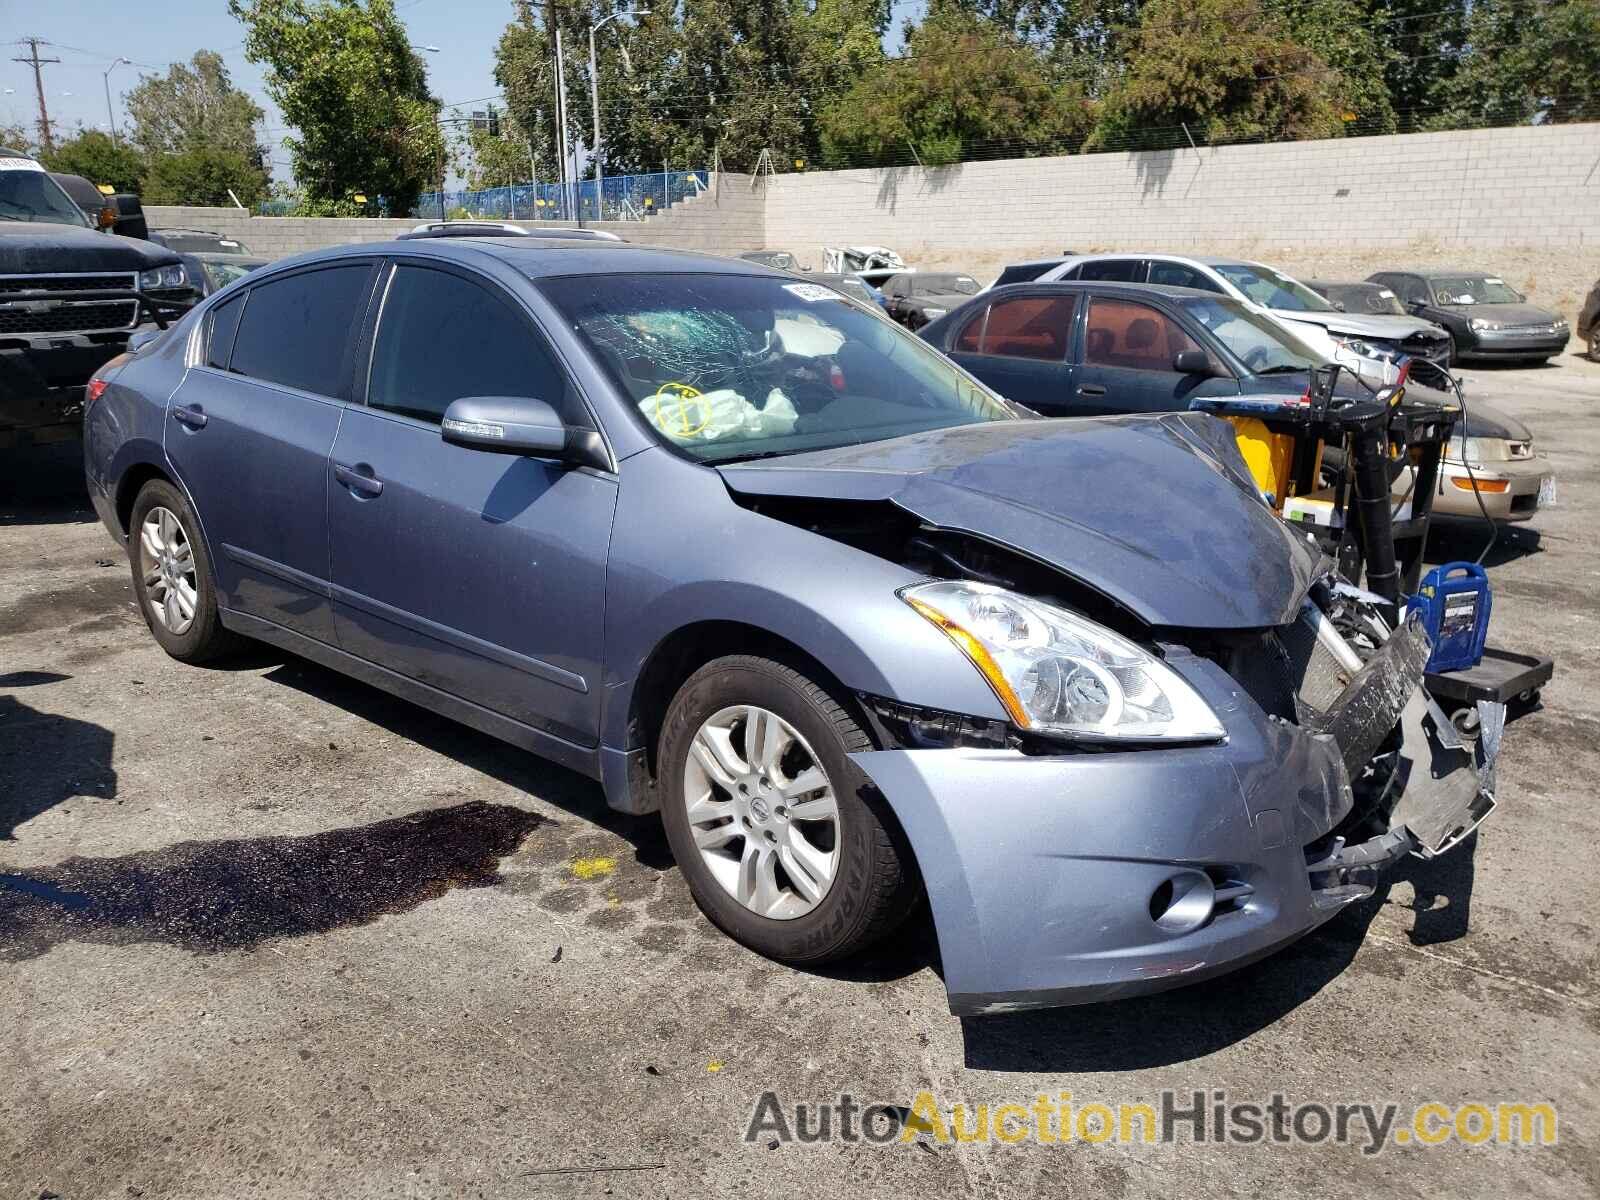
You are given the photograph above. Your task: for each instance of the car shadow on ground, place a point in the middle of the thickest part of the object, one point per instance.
(47, 759)
(43, 485)
(517, 768)
(1463, 540)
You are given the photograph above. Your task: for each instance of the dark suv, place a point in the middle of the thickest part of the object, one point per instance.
(70, 297)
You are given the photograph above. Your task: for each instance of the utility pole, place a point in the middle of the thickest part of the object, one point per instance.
(561, 119)
(594, 101)
(46, 142)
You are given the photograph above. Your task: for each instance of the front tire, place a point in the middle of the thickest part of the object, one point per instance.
(172, 576)
(1594, 346)
(785, 844)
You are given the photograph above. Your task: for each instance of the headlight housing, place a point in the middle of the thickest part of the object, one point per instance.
(163, 277)
(1380, 351)
(1483, 324)
(1056, 672)
(933, 314)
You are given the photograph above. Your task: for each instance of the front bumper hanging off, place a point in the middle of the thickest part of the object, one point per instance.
(1082, 877)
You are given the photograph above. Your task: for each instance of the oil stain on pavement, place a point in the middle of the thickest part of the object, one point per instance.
(212, 897)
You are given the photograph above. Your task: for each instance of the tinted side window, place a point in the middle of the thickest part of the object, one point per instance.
(295, 331)
(220, 328)
(1178, 275)
(442, 337)
(1122, 333)
(1026, 273)
(1113, 270)
(1024, 327)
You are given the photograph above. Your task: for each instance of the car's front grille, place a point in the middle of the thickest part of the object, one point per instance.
(1290, 670)
(67, 318)
(31, 304)
(1538, 327)
(11, 285)
(1516, 450)
(1431, 346)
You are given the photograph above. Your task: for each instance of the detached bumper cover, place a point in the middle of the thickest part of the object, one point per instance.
(1079, 878)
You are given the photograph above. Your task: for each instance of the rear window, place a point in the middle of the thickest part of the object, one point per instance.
(1021, 327)
(1024, 272)
(295, 331)
(222, 325)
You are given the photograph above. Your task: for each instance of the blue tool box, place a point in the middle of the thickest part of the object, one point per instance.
(1454, 601)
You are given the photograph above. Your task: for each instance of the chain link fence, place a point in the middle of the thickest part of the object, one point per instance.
(616, 198)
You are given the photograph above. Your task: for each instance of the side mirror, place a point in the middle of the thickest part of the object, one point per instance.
(1415, 306)
(1192, 362)
(518, 425)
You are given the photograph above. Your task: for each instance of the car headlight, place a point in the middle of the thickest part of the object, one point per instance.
(1057, 672)
(163, 277)
(1366, 349)
(1483, 323)
(933, 314)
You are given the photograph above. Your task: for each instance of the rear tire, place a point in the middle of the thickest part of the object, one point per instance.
(727, 814)
(1594, 346)
(172, 576)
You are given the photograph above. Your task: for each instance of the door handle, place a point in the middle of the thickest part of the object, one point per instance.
(1091, 389)
(191, 415)
(358, 479)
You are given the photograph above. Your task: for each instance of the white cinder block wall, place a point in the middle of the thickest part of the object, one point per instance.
(1537, 186)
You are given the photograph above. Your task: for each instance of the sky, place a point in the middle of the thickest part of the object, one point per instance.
(89, 35)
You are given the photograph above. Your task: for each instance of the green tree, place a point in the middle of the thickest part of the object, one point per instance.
(98, 158)
(1526, 60)
(960, 87)
(348, 82)
(1341, 33)
(194, 105)
(1227, 70)
(204, 175)
(1422, 41)
(15, 137)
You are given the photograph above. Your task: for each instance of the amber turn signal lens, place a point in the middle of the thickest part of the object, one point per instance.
(1486, 486)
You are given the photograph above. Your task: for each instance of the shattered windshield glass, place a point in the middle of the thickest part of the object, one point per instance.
(725, 367)
(1474, 289)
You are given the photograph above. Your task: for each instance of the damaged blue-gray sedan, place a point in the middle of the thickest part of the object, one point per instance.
(756, 559)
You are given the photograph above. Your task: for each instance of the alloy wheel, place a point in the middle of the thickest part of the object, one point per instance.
(166, 565)
(762, 812)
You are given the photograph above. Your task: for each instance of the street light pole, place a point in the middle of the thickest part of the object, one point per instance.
(105, 78)
(594, 102)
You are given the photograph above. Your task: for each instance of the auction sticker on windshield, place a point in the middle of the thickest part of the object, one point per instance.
(811, 292)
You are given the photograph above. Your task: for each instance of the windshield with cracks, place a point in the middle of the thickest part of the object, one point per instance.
(726, 367)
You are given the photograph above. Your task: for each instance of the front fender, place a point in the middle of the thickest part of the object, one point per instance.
(834, 602)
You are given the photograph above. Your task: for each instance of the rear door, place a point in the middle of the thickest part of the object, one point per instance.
(1020, 347)
(1126, 361)
(479, 574)
(249, 431)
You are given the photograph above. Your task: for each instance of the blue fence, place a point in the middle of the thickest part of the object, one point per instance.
(622, 198)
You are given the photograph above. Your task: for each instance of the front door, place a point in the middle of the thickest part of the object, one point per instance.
(479, 574)
(1126, 361)
(249, 431)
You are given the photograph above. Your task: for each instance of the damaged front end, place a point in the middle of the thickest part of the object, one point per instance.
(1418, 785)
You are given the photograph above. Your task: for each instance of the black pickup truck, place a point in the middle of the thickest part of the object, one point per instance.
(70, 297)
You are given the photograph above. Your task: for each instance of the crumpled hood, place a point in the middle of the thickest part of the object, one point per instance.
(1375, 325)
(1506, 314)
(44, 246)
(1157, 512)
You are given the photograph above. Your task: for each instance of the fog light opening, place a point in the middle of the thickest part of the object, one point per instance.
(1183, 903)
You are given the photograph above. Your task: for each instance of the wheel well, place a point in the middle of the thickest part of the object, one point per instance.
(129, 487)
(686, 650)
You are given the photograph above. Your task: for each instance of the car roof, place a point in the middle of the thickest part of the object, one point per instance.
(540, 258)
(1106, 285)
(1341, 283)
